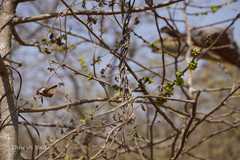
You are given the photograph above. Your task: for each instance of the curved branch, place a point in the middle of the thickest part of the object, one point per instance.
(20, 20)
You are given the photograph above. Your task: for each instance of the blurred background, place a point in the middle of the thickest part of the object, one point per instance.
(59, 50)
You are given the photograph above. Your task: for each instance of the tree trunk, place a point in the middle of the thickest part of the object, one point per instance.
(9, 115)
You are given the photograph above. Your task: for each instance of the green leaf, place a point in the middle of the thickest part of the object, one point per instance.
(83, 121)
(83, 64)
(168, 88)
(154, 45)
(196, 51)
(192, 65)
(147, 80)
(215, 8)
(179, 81)
(60, 49)
(90, 77)
(161, 100)
(179, 74)
(71, 46)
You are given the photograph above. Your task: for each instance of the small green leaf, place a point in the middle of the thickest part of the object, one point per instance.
(179, 74)
(192, 65)
(215, 8)
(147, 80)
(196, 51)
(90, 77)
(71, 46)
(82, 121)
(60, 49)
(161, 100)
(154, 46)
(168, 88)
(179, 81)
(83, 64)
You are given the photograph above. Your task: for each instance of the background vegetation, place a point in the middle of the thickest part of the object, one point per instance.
(89, 82)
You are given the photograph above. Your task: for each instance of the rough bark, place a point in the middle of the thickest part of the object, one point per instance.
(8, 133)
